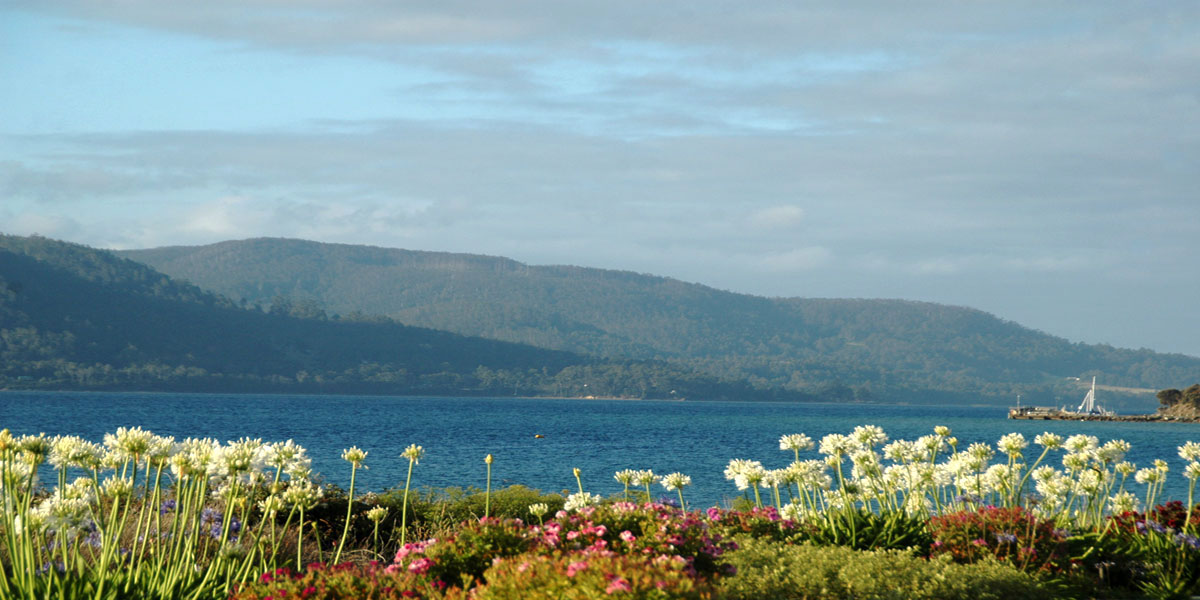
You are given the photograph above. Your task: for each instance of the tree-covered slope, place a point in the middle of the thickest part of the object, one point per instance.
(72, 316)
(870, 348)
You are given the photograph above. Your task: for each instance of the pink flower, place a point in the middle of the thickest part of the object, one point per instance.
(576, 567)
(617, 585)
(420, 565)
(627, 536)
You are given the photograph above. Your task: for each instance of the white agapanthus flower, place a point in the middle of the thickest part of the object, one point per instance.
(941, 431)
(1081, 443)
(625, 476)
(836, 445)
(1149, 475)
(796, 442)
(1192, 471)
(1190, 451)
(1112, 451)
(675, 481)
(1012, 444)
(1048, 440)
(645, 478)
(900, 451)
(581, 500)
(1122, 502)
(869, 436)
(413, 453)
(354, 455)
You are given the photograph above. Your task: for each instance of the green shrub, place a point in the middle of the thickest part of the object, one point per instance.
(804, 572)
(340, 582)
(588, 576)
(1013, 535)
(462, 557)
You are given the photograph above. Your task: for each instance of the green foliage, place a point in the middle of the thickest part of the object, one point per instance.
(340, 582)
(804, 572)
(574, 576)
(833, 348)
(461, 557)
(867, 530)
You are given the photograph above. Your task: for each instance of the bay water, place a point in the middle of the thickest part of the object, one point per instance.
(599, 437)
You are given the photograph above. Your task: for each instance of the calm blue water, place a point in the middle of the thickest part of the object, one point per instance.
(598, 436)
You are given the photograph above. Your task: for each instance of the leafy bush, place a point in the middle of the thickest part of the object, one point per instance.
(1012, 535)
(590, 575)
(768, 569)
(866, 530)
(463, 556)
(1157, 552)
(647, 530)
(340, 582)
(756, 522)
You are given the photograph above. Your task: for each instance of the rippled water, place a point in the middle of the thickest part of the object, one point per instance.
(598, 436)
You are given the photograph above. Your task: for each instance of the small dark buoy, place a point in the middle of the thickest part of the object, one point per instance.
(538, 435)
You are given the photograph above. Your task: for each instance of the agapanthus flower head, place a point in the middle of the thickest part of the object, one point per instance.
(1122, 502)
(1161, 465)
(1081, 443)
(869, 436)
(129, 441)
(1012, 444)
(1148, 475)
(488, 459)
(1049, 441)
(271, 505)
(836, 445)
(302, 493)
(645, 477)
(116, 487)
(980, 451)
(901, 451)
(33, 449)
(941, 431)
(1076, 461)
(73, 451)
(1192, 471)
(625, 476)
(1190, 451)
(413, 453)
(581, 500)
(538, 509)
(796, 442)
(1112, 451)
(354, 456)
(675, 481)
(1125, 468)
(375, 515)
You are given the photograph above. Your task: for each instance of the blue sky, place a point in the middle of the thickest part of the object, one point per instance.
(1034, 160)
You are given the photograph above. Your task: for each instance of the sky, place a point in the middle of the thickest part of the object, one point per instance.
(1035, 160)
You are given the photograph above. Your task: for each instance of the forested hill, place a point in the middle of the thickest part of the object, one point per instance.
(864, 349)
(72, 317)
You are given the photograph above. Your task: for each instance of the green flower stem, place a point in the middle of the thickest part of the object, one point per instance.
(404, 504)
(350, 507)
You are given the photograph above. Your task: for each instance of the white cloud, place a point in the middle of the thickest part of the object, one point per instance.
(777, 217)
(797, 259)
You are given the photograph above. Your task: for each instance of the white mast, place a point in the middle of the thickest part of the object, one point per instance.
(1089, 401)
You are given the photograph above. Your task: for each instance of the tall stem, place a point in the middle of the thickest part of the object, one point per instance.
(349, 507)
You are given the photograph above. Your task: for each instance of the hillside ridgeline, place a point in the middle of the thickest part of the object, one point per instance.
(73, 317)
(839, 349)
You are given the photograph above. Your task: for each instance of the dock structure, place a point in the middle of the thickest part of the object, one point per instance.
(1043, 413)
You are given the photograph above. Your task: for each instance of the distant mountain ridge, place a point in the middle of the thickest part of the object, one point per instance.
(836, 348)
(73, 317)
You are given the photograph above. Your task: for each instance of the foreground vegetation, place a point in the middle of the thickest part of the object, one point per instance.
(143, 516)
